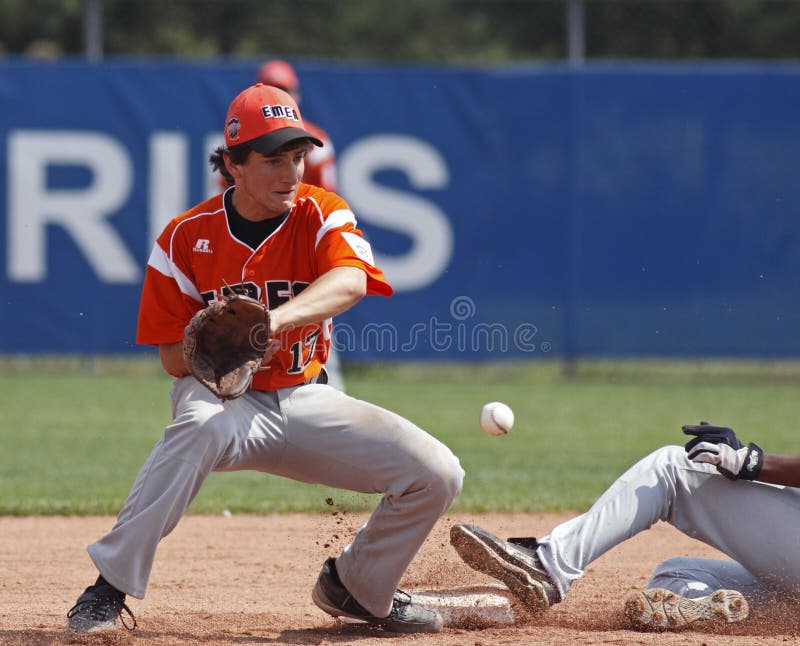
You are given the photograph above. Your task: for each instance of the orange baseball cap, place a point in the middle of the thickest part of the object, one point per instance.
(264, 117)
(280, 74)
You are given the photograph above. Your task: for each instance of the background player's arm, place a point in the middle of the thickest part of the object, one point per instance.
(172, 359)
(781, 470)
(334, 292)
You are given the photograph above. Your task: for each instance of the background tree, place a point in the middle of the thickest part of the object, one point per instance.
(433, 31)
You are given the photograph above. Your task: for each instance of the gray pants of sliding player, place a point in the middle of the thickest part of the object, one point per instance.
(756, 524)
(311, 433)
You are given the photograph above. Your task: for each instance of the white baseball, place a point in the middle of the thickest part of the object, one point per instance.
(496, 418)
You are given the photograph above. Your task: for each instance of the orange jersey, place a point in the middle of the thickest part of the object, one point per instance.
(196, 255)
(320, 162)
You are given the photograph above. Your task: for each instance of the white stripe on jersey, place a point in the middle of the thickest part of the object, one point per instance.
(163, 265)
(335, 219)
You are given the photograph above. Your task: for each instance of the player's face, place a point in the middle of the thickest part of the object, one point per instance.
(266, 186)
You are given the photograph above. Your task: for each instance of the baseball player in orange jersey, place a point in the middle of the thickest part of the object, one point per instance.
(298, 249)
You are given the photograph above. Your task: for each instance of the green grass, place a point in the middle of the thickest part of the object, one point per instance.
(73, 434)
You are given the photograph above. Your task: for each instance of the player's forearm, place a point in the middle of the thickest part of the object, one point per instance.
(172, 359)
(781, 470)
(332, 293)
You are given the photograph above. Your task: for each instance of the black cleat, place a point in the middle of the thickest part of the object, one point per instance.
(517, 566)
(98, 608)
(330, 595)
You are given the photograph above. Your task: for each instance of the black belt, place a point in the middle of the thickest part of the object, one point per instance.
(321, 378)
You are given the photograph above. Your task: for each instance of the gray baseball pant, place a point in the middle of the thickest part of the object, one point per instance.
(312, 433)
(755, 524)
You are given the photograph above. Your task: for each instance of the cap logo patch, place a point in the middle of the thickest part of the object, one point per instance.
(233, 127)
(280, 112)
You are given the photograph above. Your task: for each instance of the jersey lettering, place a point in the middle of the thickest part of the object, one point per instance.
(282, 291)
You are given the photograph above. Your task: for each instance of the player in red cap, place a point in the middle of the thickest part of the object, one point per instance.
(297, 248)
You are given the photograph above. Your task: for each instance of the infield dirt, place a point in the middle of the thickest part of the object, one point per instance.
(247, 580)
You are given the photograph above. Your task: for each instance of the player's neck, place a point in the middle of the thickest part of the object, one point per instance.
(250, 209)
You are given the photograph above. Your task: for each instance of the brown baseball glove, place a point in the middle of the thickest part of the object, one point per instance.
(224, 344)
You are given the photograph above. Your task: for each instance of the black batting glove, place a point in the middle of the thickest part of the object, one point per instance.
(718, 445)
(705, 432)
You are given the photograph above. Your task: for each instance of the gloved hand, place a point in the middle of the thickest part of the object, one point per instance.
(225, 344)
(718, 445)
(705, 432)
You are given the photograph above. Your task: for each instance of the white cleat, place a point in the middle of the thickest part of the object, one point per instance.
(661, 609)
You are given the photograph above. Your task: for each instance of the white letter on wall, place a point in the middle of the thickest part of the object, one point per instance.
(421, 220)
(81, 212)
(169, 180)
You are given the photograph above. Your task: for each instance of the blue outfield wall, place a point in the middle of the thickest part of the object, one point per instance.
(615, 210)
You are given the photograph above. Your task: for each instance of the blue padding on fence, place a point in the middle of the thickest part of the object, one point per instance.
(611, 210)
